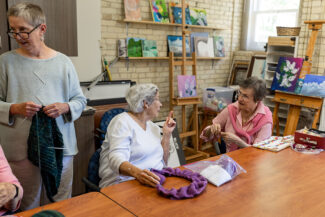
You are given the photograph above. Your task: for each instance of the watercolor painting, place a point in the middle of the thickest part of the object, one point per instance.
(197, 34)
(121, 48)
(219, 46)
(159, 11)
(149, 48)
(134, 47)
(314, 85)
(198, 16)
(287, 74)
(177, 14)
(186, 85)
(132, 9)
(175, 45)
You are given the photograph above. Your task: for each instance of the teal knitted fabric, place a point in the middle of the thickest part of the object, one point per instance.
(45, 145)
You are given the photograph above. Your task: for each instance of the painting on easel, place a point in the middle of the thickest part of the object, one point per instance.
(314, 85)
(186, 85)
(287, 74)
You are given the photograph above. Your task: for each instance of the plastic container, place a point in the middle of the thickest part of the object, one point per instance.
(217, 98)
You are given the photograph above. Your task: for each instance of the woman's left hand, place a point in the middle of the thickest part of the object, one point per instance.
(169, 124)
(56, 109)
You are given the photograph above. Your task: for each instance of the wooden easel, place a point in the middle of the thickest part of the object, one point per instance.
(186, 101)
(297, 101)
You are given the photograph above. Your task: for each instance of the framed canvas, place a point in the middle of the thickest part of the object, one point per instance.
(219, 46)
(287, 74)
(159, 11)
(175, 45)
(134, 47)
(203, 46)
(238, 72)
(197, 34)
(149, 48)
(314, 85)
(176, 154)
(198, 16)
(175, 13)
(257, 67)
(186, 85)
(132, 9)
(121, 48)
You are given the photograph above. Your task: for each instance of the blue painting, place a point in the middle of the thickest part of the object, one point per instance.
(175, 45)
(177, 13)
(287, 74)
(314, 85)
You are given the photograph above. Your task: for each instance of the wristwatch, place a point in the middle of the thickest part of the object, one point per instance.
(17, 191)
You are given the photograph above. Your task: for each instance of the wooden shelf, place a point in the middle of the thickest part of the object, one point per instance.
(167, 58)
(174, 24)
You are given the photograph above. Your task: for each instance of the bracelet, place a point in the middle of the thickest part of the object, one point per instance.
(17, 191)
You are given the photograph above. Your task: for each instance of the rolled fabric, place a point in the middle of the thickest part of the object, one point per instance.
(197, 186)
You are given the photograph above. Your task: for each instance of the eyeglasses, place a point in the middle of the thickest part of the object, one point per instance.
(22, 35)
(244, 96)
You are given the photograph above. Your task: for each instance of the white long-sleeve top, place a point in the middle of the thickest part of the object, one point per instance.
(125, 140)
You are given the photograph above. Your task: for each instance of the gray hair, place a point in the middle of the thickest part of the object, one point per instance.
(139, 93)
(258, 86)
(31, 13)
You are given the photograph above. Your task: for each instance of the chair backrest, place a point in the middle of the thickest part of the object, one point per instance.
(106, 119)
(93, 167)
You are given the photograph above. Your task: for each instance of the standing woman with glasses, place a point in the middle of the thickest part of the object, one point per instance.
(35, 80)
(244, 122)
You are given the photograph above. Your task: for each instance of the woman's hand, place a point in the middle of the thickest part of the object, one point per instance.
(56, 109)
(146, 177)
(215, 130)
(27, 109)
(231, 138)
(7, 193)
(169, 124)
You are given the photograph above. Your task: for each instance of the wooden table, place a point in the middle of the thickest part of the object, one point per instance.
(286, 183)
(296, 101)
(91, 205)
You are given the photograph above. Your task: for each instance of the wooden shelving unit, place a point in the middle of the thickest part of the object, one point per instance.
(167, 58)
(174, 24)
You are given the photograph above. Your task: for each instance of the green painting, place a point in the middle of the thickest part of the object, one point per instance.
(198, 16)
(149, 48)
(134, 47)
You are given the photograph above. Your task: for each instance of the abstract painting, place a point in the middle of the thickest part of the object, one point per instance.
(175, 45)
(197, 34)
(198, 17)
(203, 46)
(219, 46)
(287, 74)
(186, 85)
(159, 11)
(314, 85)
(132, 9)
(177, 14)
(134, 47)
(149, 48)
(121, 48)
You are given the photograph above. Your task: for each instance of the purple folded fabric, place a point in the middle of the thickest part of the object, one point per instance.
(197, 186)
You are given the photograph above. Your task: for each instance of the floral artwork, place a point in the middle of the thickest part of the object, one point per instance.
(186, 85)
(314, 85)
(159, 11)
(287, 74)
(198, 17)
(132, 9)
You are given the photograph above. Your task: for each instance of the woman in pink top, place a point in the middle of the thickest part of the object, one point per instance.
(11, 191)
(244, 122)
